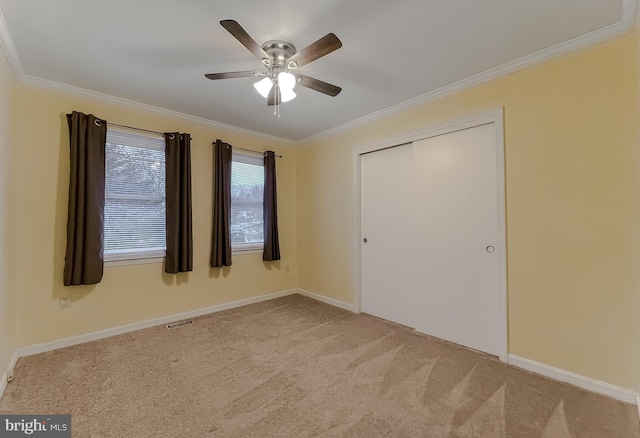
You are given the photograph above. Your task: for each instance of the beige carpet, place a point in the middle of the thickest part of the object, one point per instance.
(294, 367)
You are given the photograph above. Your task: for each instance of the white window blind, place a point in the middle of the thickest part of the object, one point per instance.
(247, 191)
(134, 222)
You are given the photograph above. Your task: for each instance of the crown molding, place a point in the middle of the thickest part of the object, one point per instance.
(619, 28)
(35, 82)
(628, 14)
(9, 49)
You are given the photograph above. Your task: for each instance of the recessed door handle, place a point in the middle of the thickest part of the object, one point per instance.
(490, 249)
(365, 240)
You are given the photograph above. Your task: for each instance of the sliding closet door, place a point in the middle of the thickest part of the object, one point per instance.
(384, 200)
(438, 219)
(458, 204)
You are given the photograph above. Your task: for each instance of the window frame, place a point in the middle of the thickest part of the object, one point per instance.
(139, 255)
(256, 159)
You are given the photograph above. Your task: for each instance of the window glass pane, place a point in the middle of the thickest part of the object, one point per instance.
(134, 220)
(247, 188)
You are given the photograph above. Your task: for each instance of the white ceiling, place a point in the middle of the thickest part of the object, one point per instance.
(157, 52)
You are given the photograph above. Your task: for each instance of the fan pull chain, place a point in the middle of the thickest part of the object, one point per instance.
(276, 111)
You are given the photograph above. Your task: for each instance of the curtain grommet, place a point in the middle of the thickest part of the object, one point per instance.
(98, 122)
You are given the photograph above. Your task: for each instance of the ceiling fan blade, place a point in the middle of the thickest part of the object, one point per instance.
(233, 74)
(274, 96)
(246, 40)
(323, 46)
(318, 85)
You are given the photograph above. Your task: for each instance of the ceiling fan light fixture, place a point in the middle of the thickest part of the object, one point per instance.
(263, 86)
(279, 57)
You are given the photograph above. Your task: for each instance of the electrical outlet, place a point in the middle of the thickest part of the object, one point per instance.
(286, 269)
(65, 302)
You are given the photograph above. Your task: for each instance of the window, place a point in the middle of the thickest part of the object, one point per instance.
(247, 190)
(134, 212)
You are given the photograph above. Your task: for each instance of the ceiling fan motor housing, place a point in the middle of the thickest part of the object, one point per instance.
(279, 52)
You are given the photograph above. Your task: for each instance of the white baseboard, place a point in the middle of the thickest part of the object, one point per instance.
(101, 334)
(12, 365)
(327, 300)
(617, 392)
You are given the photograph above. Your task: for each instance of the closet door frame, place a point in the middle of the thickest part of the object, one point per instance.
(495, 116)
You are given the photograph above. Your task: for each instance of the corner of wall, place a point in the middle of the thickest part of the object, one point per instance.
(8, 84)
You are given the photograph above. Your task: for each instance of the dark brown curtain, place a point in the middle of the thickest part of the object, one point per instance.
(221, 239)
(270, 209)
(179, 256)
(83, 262)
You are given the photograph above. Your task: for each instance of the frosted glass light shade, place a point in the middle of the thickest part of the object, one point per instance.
(263, 87)
(286, 95)
(286, 82)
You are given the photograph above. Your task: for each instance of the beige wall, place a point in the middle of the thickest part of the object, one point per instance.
(126, 294)
(7, 217)
(573, 206)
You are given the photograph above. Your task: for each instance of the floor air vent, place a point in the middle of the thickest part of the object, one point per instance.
(177, 324)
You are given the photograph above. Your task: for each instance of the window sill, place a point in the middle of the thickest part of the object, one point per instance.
(246, 251)
(154, 260)
(144, 261)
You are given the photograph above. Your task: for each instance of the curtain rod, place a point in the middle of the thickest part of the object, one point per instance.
(250, 150)
(162, 134)
(134, 128)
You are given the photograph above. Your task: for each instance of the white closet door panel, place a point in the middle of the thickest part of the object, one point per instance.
(455, 180)
(385, 196)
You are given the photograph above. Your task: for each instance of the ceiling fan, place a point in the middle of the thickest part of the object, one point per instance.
(281, 61)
